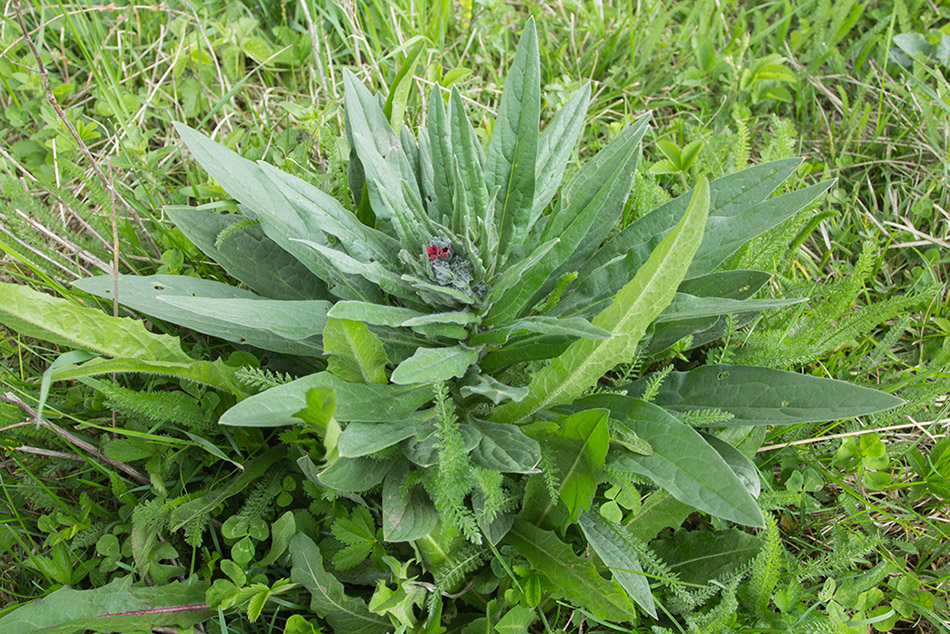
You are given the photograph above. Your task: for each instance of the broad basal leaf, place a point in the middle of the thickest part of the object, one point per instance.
(616, 549)
(428, 365)
(355, 402)
(247, 254)
(64, 323)
(762, 396)
(362, 439)
(555, 147)
(636, 306)
(701, 556)
(356, 355)
(682, 462)
(328, 598)
(115, 607)
(541, 324)
(576, 579)
(220, 310)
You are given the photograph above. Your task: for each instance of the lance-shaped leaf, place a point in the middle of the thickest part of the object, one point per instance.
(328, 598)
(355, 402)
(608, 266)
(280, 221)
(744, 468)
(513, 148)
(219, 310)
(685, 306)
(247, 254)
(576, 579)
(381, 152)
(635, 307)
(356, 355)
(555, 147)
(115, 607)
(541, 324)
(682, 462)
(596, 201)
(64, 323)
(211, 373)
(493, 389)
(617, 550)
(440, 142)
(373, 272)
(331, 217)
(762, 396)
(428, 365)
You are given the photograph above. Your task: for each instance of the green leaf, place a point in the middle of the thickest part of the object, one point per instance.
(686, 306)
(358, 533)
(513, 148)
(492, 389)
(505, 448)
(395, 106)
(220, 310)
(282, 531)
(280, 220)
(355, 402)
(579, 448)
(428, 365)
(329, 601)
(744, 468)
(682, 462)
(541, 324)
(362, 439)
(636, 306)
(576, 579)
(356, 355)
(321, 404)
(441, 143)
(615, 548)
(209, 501)
(555, 147)
(372, 271)
(61, 322)
(408, 515)
(516, 620)
(608, 267)
(115, 607)
(701, 556)
(590, 204)
(213, 373)
(354, 475)
(248, 255)
(762, 396)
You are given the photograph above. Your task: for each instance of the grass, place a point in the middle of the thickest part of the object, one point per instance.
(746, 83)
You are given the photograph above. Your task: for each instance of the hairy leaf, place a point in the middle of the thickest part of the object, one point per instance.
(115, 607)
(682, 462)
(763, 396)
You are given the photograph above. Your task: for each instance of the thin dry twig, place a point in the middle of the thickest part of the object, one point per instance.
(51, 98)
(75, 440)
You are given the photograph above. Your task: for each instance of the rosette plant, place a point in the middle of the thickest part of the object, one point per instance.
(457, 323)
